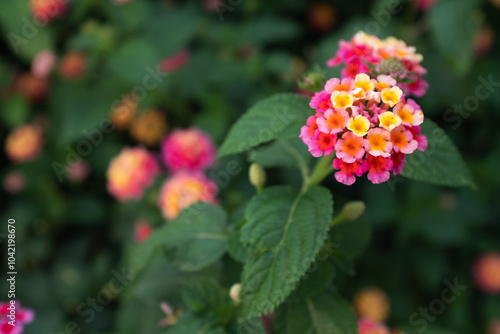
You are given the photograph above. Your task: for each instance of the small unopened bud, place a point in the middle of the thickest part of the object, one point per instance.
(312, 81)
(234, 293)
(257, 176)
(353, 210)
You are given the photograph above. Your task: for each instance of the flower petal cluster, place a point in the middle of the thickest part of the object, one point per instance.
(369, 124)
(183, 189)
(24, 143)
(188, 149)
(131, 172)
(368, 54)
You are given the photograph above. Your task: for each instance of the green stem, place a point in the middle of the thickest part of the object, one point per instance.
(322, 169)
(304, 170)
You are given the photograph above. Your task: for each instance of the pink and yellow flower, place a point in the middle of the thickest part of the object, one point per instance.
(378, 143)
(364, 125)
(321, 101)
(24, 143)
(347, 172)
(325, 144)
(368, 54)
(403, 141)
(359, 125)
(336, 84)
(378, 168)
(341, 99)
(389, 121)
(408, 114)
(184, 189)
(350, 147)
(391, 95)
(130, 173)
(333, 121)
(189, 149)
(308, 132)
(486, 271)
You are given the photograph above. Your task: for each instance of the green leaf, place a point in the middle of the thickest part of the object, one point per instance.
(204, 295)
(285, 230)
(195, 239)
(283, 152)
(135, 62)
(162, 20)
(350, 238)
(250, 326)
(236, 248)
(456, 18)
(14, 111)
(327, 313)
(279, 116)
(23, 34)
(265, 29)
(318, 278)
(190, 324)
(441, 163)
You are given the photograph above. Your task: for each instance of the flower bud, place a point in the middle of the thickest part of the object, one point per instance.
(312, 81)
(353, 210)
(234, 293)
(257, 176)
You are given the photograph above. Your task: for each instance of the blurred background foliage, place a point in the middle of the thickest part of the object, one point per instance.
(72, 235)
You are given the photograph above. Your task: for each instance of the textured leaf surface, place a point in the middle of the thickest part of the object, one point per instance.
(317, 279)
(279, 116)
(441, 163)
(190, 324)
(195, 239)
(283, 152)
(327, 313)
(285, 230)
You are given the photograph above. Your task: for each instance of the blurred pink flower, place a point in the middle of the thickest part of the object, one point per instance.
(14, 182)
(78, 172)
(184, 189)
(425, 5)
(486, 271)
(142, 231)
(72, 65)
(175, 62)
(366, 326)
(43, 63)
(130, 173)
(22, 316)
(45, 11)
(189, 149)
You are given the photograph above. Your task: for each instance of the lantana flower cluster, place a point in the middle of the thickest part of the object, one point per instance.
(368, 123)
(368, 54)
(186, 154)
